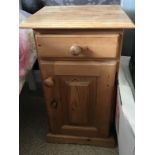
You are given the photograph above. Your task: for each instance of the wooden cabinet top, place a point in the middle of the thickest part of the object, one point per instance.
(79, 17)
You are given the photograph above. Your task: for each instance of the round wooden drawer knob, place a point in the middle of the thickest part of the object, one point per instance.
(75, 50)
(48, 82)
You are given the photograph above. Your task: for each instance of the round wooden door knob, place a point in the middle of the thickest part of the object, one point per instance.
(75, 50)
(54, 104)
(48, 82)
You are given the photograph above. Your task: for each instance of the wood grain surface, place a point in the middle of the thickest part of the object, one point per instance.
(92, 46)
(83, 91)
(79, 17)
(106, 142)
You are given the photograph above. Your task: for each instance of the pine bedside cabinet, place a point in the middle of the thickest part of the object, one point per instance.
(79, 50)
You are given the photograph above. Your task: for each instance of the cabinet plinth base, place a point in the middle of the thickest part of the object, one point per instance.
(105, 142)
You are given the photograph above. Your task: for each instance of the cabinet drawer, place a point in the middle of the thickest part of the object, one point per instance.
(78, 46)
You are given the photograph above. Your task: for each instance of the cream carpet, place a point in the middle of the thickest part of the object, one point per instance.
(33, 128)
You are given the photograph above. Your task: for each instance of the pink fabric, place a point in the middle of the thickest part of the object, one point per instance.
(24, 52)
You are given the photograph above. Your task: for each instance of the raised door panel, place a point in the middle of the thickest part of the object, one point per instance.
(82, 94)
(77, 98)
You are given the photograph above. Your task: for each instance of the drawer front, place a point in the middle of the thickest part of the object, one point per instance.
(78, 46)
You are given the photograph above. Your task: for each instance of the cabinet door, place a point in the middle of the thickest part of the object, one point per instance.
(79, 96)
